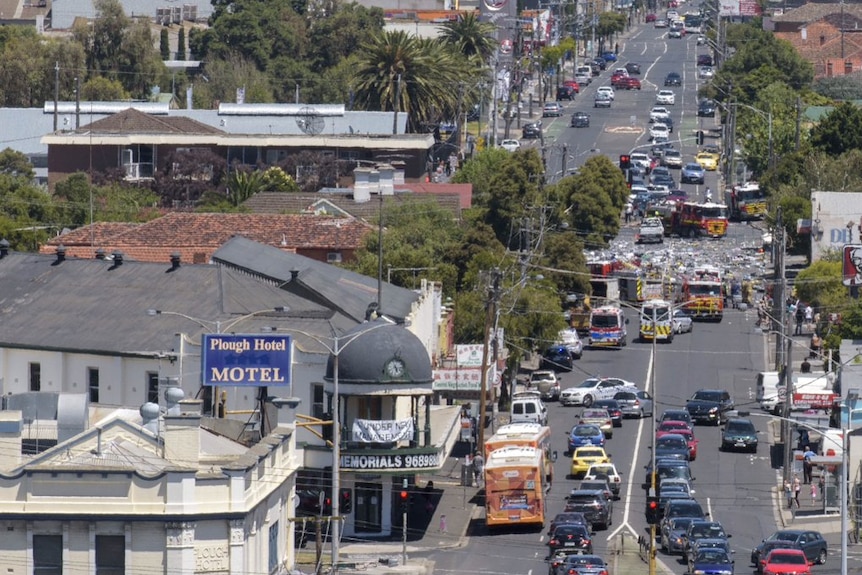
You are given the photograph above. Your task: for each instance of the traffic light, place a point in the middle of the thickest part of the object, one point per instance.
(405, 500)
(625, 162)
(346, 503)
(326, 508)
(700, 137)
(652, 510)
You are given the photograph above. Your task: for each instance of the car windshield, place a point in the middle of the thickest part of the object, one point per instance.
(687, 508)
(788, 558)
(589, 383)
(672, 425)
(585, 560)
(740, 426)
(565, 530)
(595, 414)
(707, 530)
(586, 431)
(590, 453)
(605, 320)
(712, 556)
(784, 536)
(681, 523)
(671, 442)
(714, 396)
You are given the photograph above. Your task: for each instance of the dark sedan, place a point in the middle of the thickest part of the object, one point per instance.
(633, 68)
(709, 406)
(580, 120)
(811, 542)
(706, 109)
(532, 130)
(673, 79)
(614, 410)
(672, 446)
(582, 565)
(570, 537)
(739, 434)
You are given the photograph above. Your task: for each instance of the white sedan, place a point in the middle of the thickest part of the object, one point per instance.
(665, 97)
(510, 145)
(659, 131)
(606, 90)
(658, 112)
(705, 72)
(592, 389)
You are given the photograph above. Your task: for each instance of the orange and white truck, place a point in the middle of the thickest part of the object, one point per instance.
(703, 293)
(692, 219)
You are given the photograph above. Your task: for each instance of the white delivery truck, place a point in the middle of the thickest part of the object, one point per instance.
(809, 391)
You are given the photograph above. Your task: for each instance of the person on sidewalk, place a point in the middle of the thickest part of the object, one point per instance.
(800, 317)
(797, 487)
(788, 494)
(813, 493)
(807, 466)
(479, 469)
(805, 367)
(816, 346)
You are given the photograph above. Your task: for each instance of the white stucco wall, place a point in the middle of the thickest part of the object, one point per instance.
(834, 210)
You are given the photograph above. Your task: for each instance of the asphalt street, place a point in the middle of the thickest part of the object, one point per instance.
(735, 488)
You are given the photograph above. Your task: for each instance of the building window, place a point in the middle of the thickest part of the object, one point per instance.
(47, 555)
(110, 555)
(318, 407)
(35, 377)
(93, 384)
(152, 387)
(273, 547)
(848, 67)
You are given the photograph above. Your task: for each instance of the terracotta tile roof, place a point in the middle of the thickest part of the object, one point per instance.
(195, 236)
(281, 203)
(813, 11)
(464, 191)
(132, 121)
(98, 234)
(822, 44)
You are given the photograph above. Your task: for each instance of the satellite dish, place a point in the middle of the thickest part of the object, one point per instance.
(309, 121)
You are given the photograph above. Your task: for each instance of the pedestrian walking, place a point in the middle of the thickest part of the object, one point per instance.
(807, 466)
(788, 494)
(797, 487)
(442, 524)
(809, 316)
(800, 317)
(629, 210)
(479, 469)
(813, 490)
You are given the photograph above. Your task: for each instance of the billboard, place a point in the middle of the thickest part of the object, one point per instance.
(852, 268)
(249, 360)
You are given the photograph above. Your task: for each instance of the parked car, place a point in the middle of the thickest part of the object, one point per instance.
(710, 406)
(510, 145)
(692, 173)
(634, 402)
(552, 109)
(739, 433)
(673, 79)
(706, 109)
(532, 130)
(704, 60)
(557, 358)
(580, 120)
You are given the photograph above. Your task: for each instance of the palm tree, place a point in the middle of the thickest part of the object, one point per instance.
(397, 71)
(470, 36)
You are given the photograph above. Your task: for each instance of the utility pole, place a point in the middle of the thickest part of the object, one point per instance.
(788, 405)
(395, 105)
(778, 303)
(490, 314)
(56, 91)
(653, 487)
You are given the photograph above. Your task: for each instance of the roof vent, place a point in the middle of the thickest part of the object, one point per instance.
(175, 260)
(4, 248)
(61, 254)
(293, 275)
(100, 254)
(117, 256)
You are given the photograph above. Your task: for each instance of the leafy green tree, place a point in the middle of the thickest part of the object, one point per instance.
(840, 131)
(16, 164)
(276, 180)
(564, 251)
(479, 171)
(470, 36)
(103, 38)
(243, 184)
(225, 76)
(820, 285)
(514, 193)
(72, 198)
(100, 88)
(164, 44)
(753, 129)
(336, 36)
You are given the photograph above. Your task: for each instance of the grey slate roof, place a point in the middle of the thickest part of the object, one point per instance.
(348, 292)
(90, 305)
(64, 12)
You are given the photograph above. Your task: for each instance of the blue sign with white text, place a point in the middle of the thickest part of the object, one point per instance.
(249, 360)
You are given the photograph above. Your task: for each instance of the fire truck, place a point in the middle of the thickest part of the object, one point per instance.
(745, 202)
(703, 293)
(691, 219)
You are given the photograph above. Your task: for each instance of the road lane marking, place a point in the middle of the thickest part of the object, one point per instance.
(709, 508)
(631, 478)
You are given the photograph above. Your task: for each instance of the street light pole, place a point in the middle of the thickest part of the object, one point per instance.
(652, 545)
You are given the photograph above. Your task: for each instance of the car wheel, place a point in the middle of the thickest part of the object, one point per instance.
(641, 414)
(610, 435)
(821, 557)
(588, 400)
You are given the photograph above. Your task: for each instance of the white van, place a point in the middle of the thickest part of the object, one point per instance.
(528, 407)
(815, 390)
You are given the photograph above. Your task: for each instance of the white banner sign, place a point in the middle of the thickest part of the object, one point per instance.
(383, 431)
(469, 355)
(463, 379)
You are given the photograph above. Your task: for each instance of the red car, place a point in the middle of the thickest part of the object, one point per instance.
(671, 426)
(783, 561)
(618, 81)
(691, 440)
(629, 83)
(650, 17)
(573, 85)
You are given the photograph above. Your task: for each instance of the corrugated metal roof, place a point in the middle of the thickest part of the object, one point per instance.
(64, 12)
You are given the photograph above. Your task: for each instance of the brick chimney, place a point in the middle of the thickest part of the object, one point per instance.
(183, 434)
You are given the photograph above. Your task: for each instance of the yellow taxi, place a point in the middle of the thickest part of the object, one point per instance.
(707, 161)
(584, 457)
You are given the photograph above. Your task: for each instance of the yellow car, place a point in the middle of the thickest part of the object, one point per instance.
(707, 161)
(584, 457)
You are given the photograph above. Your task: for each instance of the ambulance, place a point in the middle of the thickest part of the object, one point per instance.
(656, 321)
(608, 327)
